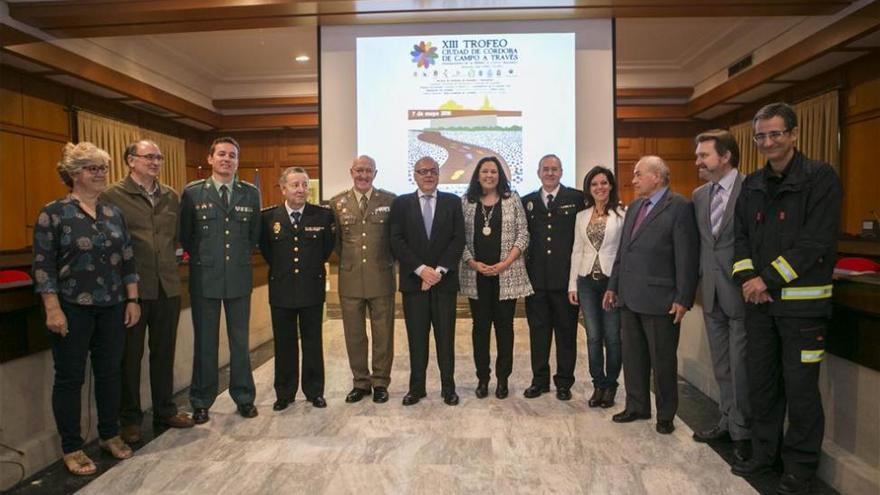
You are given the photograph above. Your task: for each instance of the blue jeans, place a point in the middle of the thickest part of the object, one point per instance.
(603, 333)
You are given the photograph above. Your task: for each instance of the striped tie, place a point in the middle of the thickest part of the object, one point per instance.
(716, 210)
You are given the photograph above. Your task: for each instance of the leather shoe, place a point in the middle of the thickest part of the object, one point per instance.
(751, 467)
(742, 450)
(501, 390)
(563, 393)
(450, 399)
(792, 485)
(608, 397)
(200, 415)
(318, 402)
(281, 404)
(628, 417)
(482, 390)
(665, 426)
(380, 395)
(714, 434)
(247, 410)
(412, 398)
(536, 391)
(356, 395)
(130, 433)
(179, 420)
(596, 399)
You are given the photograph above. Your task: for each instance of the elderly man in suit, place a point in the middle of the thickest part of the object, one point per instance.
(654, 280)
(723, 306)
(366, 279)
(427, 238)
(296, 239)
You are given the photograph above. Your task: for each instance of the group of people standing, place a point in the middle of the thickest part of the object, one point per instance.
(764, 245)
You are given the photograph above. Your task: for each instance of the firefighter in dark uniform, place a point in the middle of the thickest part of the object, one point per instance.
(787, 220)
(219, 228)
(296, 238)
(551, 213)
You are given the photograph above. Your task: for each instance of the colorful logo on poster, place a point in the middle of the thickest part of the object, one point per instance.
(424, 55)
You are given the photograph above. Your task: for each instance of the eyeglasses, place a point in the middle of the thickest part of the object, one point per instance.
(773, 135)
(363, 171)
(428, 171)
(151, 157)
(96, 169)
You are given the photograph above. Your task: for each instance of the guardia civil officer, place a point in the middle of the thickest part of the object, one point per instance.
(219, 227)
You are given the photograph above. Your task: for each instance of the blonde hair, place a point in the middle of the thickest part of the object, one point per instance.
(76, 156)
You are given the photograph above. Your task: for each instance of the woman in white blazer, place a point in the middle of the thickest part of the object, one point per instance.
(596, 239)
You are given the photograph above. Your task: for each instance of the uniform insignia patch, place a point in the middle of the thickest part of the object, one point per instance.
(530, 206)
(276, 227)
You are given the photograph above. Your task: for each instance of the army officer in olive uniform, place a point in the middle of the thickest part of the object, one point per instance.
(366, 279)
(219, 227)
(296, 238)
(551, 213)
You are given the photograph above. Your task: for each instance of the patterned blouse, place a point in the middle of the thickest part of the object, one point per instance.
(596, 235)
(84, 260)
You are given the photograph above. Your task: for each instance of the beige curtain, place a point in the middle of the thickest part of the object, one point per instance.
(114, 136)
(818, 129)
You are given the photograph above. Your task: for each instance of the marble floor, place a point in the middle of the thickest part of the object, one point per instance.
(507, 446)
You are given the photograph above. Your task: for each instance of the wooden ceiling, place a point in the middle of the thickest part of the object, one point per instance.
(69, 18)
(78, 18)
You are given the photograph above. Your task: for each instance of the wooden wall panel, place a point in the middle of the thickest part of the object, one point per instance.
(41, 179)
(677, 152)
(12, 222)
(10, 99)
(860, 174)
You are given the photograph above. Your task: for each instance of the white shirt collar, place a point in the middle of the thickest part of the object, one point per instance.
(291, 210)
(728, 180)
(554, 192)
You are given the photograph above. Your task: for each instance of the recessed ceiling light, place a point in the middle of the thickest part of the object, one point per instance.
(302, 58)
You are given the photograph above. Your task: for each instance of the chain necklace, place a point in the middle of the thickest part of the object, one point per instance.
(487, 217)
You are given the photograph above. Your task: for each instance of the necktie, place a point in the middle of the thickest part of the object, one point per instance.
(428, 214)
(224, 195)
(549, 201)
(363, 204)
(643, 212)
(716, 210)
(296, 216)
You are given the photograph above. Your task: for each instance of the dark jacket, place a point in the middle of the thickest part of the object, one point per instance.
(220, 240)
(789, 237)
(658, 264)
(412, 248)
(551, 234)
(296, 256)
(154, 232)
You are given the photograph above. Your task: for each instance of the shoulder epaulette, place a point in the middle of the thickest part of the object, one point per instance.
(196, 182)
(268, 208)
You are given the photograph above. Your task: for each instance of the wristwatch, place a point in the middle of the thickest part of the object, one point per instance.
(136, 300)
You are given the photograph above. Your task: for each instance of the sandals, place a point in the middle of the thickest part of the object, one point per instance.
(116, 447)
(79, 464)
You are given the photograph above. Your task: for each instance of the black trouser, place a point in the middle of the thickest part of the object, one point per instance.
(650, 342)
(485, 311)
(421, 310)
(99, 330)
(783, 356)
(289, 325)
(161, 317)
(551, 315)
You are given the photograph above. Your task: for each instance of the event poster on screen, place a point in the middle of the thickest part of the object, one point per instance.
(459, 98)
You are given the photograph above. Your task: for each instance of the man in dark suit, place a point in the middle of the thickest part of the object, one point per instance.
(296, 239)
(427, 238)
(219, 227)
(551, 212)
(723, 306)
(654, 280)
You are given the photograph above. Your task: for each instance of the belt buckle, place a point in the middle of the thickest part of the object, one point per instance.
(597, 276)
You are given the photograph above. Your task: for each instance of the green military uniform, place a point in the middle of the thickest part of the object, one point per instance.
(219, 239)
(366, 279)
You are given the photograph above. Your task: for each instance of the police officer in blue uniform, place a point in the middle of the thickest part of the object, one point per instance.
(219, 228)
(551, 213)
(296, 239)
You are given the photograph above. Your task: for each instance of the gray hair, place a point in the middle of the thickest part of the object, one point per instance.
(131, 149)
(424, 159)
(76, 156)
(658, 166)
(365, 158)
(549, 156)
(290, 171)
